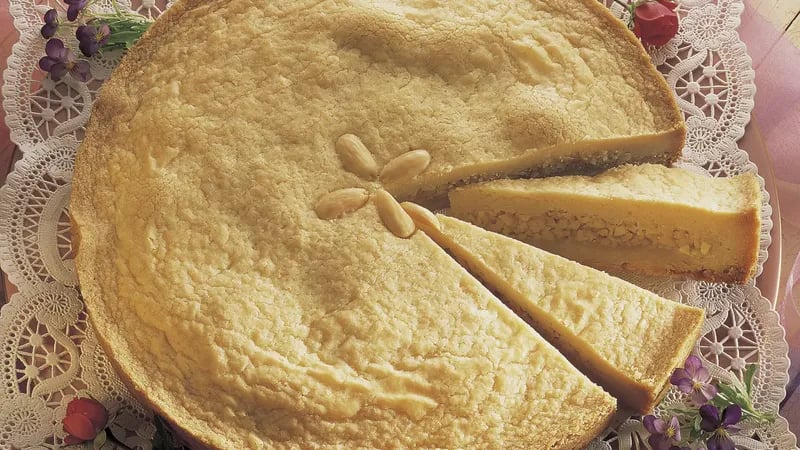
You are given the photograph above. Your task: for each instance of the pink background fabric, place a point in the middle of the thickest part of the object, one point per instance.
(777, 112)
(777, 108)
(8, 36)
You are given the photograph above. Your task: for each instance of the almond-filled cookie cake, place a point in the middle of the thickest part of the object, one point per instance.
(242, 252)
(648, 219)
(626, 338)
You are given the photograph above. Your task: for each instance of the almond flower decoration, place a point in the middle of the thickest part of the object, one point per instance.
(357, 159)
(694, 379)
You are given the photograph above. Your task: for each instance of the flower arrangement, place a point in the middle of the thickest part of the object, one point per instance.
(95, 33)
(653, 21)
(713, 412)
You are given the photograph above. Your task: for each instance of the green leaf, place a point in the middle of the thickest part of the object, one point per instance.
(719, 402)
(99, 440)
(680, 410)
(749, 373)
(123, 36)
(126, 29)
(729, 393)
(164, 438)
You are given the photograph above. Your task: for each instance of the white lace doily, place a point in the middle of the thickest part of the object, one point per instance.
(48, 351)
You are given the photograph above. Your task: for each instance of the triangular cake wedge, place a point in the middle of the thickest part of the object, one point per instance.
(626, 338)
(648, 219)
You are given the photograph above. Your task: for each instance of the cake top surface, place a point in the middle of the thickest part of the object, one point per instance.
(232, 305)
(646, 183)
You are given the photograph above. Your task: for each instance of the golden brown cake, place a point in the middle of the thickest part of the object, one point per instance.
(243, 257)
(648, 219)
(624, 337)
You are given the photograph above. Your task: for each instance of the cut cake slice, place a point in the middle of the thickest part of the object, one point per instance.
(624, 337)
(648, 219)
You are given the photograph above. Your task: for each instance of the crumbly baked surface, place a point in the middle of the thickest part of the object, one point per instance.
(249, 321)
(647, 218)
(626, 338)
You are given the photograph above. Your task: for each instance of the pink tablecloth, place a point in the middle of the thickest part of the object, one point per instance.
(7, 38)
(777, 112)
(777, 64)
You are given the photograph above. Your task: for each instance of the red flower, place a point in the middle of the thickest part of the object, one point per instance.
(655, 22)
(86, 417)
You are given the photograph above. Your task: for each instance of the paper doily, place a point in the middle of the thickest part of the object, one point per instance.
(49, 353)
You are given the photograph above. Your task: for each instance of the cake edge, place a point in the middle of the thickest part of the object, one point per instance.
(103, 110)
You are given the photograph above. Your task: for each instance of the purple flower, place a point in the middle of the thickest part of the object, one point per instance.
(74, 8)
(662, 435)
(720, 427)
(60, 61)
(694, 379)
(50, 24)
(91, 38)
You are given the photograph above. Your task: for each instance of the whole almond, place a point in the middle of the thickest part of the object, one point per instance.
(338, 203)
(407, 165)
(355, 156)
(393, 215)
(422, 217)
